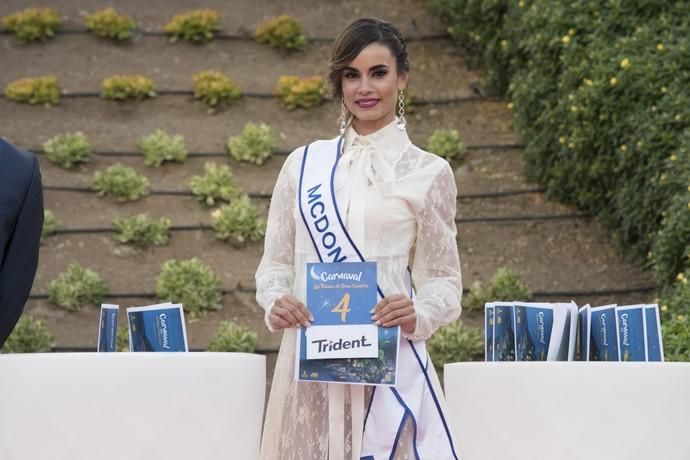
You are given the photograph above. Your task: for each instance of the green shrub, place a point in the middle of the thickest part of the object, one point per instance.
(76, 287)
(33, 23)
(141, 230)
(600, 97)
(190, 283)
(121, 182)
(215, 89)
(68, 149)
(194, 26)
(39, 90)
(159, 147)
(254, 144)
(29, 336)
(231, 337)
(217, 184)
(671, 253)
(296, 92)
(456, 342)
(446, 143)
(50, 224)
(127, 87)
(122, 338)
(505, 285)
(108, 23)
(281, 32)
(238, 222)
(675, 318)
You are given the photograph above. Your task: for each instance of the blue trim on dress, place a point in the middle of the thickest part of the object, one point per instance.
(433, 395)
(299, 197)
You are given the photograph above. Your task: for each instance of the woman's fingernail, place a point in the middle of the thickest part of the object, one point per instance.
(377, 323)
(374, 317)
(372, 310)
(311, 318)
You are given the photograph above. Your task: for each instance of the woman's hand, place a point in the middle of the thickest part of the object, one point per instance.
(396, 310)
(288, 311)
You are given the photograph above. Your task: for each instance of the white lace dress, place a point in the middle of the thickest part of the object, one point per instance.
(399, 197)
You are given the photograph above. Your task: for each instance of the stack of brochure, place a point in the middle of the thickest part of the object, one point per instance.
(159, 327)
(529, 331)
(620, 333)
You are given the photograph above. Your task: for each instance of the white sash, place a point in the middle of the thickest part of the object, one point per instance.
(413, 397)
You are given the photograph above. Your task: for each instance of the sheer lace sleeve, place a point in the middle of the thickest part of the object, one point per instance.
(275, 275)
(436, 268)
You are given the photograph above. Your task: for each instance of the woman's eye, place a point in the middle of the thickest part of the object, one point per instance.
(350, 75)
(380, 73)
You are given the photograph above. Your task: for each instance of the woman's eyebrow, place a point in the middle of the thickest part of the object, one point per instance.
(372, 69)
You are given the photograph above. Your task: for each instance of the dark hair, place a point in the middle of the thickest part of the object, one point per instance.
(357, 36)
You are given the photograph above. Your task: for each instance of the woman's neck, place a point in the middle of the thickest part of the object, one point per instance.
(365, 127)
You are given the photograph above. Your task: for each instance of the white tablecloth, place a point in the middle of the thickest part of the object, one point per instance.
(119, 406)
(570, 410)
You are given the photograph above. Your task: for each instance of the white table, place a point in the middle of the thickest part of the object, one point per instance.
(151, 406)
(570, 410)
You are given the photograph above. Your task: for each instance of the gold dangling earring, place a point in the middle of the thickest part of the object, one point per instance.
(402, 123)
(343, 117)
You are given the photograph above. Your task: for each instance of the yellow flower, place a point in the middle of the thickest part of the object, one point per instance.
(673, 158)
(571, 32)
(660, 47)
(625, 63)
(504, 44)
(216, 214)
(649, 255)
(688, 191)
(678, 117)
(521, 3)
(588, 82)
(614, 81)
(573, 108)
(640, 144)
(681, 318)
(681, 277)
(664, 308)
(571, 97)
(565, 39)
(510, 106)
(561, 140)
(571, 145)
(624, 148)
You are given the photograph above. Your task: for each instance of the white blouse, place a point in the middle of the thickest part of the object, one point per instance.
(391, 195)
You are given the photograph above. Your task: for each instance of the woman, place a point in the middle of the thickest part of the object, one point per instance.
(392, 196)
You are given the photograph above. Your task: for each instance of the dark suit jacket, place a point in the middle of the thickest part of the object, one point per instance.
(21, 221)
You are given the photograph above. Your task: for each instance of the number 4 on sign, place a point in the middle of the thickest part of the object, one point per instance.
(343, 307)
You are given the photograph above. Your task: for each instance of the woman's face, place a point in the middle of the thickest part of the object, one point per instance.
(370, 85)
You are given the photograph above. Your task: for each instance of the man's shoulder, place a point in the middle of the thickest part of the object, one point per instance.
(15, 159)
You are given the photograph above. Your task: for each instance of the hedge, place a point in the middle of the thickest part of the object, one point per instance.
(601, 97)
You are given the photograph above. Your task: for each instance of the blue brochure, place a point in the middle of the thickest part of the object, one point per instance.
(655, 349)
(504, 336)
(603, 345)
(533, 325)
(343, 344)
(157, 328)
(107, 331)
(489, 332)
(632, 334)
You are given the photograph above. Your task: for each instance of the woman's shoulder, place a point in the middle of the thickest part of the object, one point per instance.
(424, 161)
